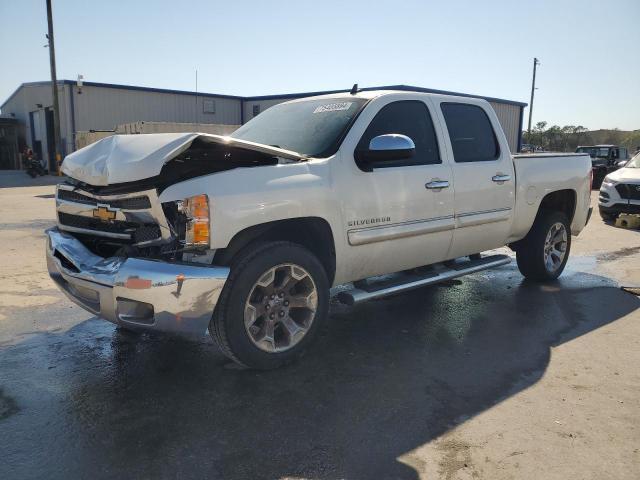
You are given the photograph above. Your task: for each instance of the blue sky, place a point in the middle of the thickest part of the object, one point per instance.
(590, 73)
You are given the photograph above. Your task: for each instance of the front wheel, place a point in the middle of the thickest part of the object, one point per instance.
(543, 253)
(272, 305)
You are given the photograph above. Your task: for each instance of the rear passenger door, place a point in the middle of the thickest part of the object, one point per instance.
(482, 174)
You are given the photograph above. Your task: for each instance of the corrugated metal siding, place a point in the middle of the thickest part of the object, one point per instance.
(16, 106)
(509, 116)
(86, 138)
(26, 100)
(99, 108)
(264, 104)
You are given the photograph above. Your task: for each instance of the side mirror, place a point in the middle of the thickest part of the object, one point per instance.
(621, 163)
(385, 148)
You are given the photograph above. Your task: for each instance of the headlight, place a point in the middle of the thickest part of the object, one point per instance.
(607, 182)
(196, 211)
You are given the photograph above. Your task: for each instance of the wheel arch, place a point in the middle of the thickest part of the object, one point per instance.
(560, 201)
(313, 233)
(564, 201)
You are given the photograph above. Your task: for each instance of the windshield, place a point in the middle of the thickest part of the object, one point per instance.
(594, 151)
(634, 162)
(310, 127)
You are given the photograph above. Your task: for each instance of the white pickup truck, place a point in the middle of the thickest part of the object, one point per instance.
(245, 235)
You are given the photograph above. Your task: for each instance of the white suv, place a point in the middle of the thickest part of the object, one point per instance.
(620, 191)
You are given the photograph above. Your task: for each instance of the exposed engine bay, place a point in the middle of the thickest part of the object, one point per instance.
(127, 219)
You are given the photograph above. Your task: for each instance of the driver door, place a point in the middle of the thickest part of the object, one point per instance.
(399, 214)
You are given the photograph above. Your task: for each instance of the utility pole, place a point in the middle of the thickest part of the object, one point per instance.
(536, 62)
(196, 105)
(54, 90)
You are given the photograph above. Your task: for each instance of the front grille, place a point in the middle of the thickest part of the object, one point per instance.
(629, 191)
(132, 203)
(78, 221)
(139, 232)
(146, 233)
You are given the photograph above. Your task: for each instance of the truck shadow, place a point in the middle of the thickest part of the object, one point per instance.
(384, 379)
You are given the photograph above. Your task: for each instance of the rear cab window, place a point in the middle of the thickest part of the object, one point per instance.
(471, 133)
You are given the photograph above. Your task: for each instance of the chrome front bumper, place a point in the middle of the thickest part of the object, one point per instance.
(135, 292)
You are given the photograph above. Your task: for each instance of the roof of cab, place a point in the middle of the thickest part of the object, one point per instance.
(380, 90)
(371, 94)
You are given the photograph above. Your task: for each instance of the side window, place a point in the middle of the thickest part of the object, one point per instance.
(623, 154)
(472, 136)
(410, 118)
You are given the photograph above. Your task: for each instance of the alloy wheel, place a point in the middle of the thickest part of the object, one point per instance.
(555, 247)
(280, 308)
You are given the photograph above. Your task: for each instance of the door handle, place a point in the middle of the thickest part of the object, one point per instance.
(437, 184)
(499, 178)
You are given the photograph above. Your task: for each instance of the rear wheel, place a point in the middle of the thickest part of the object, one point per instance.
(543, 253)
(272, 305)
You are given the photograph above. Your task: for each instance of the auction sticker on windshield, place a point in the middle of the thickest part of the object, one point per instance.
(333, 107)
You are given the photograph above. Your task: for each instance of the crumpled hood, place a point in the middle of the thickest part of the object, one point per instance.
(127, 158)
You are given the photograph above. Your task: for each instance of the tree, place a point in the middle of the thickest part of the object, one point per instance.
(569, 137)
(632, 140)
(557, 138)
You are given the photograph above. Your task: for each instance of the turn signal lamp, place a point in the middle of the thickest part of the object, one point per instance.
(196, 209)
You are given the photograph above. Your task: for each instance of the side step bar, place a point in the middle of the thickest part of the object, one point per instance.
(453, 270)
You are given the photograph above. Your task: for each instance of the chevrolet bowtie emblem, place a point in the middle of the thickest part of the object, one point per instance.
(104, 214)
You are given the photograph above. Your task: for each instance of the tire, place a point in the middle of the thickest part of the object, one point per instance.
(247, 297)
(530, 254)
(608, 217)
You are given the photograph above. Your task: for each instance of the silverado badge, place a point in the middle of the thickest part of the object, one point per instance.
(104, 214)
(368, 221)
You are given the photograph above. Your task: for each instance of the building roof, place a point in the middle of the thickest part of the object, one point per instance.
(408, 88)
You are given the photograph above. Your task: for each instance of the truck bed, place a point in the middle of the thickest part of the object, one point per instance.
(540, 173)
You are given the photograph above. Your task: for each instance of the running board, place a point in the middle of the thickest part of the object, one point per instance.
(454, 269)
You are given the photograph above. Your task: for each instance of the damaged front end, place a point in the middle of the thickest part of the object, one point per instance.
(134, 224)
(120, 253)
(126, 219)
(137, 293)
(123, 224)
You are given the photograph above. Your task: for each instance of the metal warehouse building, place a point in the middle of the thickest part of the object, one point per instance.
(102, 106)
